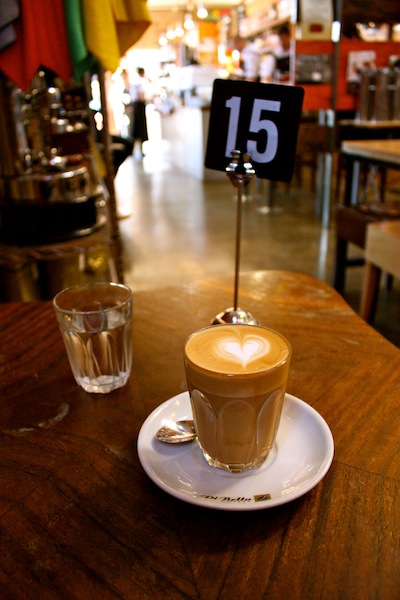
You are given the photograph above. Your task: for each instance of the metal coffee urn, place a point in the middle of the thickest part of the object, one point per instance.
(50, 193)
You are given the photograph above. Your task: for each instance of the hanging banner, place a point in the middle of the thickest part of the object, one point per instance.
(41, 42)
(256, 118)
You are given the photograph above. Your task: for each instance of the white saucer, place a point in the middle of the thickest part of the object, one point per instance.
(299, 460)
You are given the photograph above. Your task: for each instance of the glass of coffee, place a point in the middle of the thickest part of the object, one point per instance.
(95, 321)
(237, 377)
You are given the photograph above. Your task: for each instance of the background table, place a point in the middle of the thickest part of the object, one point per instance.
(384, 153)
(80, 519)
(353, 216)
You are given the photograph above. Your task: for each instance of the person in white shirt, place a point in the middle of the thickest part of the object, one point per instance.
(138, 91)
(250, 58)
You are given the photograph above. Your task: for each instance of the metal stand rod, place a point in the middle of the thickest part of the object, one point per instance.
(240, 172)
(238, 238)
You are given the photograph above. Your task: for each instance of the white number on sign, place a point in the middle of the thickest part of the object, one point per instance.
(256, 124)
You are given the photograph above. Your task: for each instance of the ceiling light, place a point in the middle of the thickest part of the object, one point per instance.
(189, 23)
(202, 12)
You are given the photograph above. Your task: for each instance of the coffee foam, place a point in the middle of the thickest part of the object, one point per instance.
(235, 349)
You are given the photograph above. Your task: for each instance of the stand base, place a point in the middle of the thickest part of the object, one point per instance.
(235, 316)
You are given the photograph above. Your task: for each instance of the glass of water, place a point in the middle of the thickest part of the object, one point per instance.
(95, 321)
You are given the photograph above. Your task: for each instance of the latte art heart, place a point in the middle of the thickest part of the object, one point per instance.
(245, 352)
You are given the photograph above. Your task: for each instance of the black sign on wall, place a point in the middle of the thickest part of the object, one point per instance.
(255, 118)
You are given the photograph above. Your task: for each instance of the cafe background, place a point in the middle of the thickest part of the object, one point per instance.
(63, 136)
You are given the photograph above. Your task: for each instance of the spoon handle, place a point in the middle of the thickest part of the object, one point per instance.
(179, 433)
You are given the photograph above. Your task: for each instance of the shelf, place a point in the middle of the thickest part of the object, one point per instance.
(257, 25)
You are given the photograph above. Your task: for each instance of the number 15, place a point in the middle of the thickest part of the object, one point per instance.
(256, 124)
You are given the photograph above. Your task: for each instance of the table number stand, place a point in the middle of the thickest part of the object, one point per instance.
(240, 172)
(259, 120)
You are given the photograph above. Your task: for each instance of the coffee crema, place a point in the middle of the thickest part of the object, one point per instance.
(237, 349)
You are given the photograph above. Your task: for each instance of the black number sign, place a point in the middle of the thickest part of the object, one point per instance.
(255, 118)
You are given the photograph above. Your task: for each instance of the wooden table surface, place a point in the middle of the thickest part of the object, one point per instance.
(369, 124)
(79, 518)
(385, 151)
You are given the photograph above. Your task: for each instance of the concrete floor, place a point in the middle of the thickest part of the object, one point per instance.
(176, 228)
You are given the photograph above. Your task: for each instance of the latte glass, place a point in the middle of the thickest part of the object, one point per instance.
(95, 321)
(237, 377)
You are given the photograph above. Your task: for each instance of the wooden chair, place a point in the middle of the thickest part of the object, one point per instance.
(312, 142)
(382, 250)
(351, 227)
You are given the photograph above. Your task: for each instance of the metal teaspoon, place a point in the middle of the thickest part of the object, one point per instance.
(178, 432)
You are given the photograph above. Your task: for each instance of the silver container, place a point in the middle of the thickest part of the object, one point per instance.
(47, 187)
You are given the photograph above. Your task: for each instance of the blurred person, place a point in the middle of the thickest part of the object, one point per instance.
(138, 91)
(276, 64)
(250, 58)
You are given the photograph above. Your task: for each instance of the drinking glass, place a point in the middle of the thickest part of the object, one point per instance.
(237, 377)
(95, 321)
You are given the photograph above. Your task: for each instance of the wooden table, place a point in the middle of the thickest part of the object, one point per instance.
(79, 518)
(382, 252)
(353, 215)
(363, 129)
(385, 153)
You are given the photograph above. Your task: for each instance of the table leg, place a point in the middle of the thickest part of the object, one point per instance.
(370, 291)
(327, 181)
(340, 265)
(269, 207)
(352, 181)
